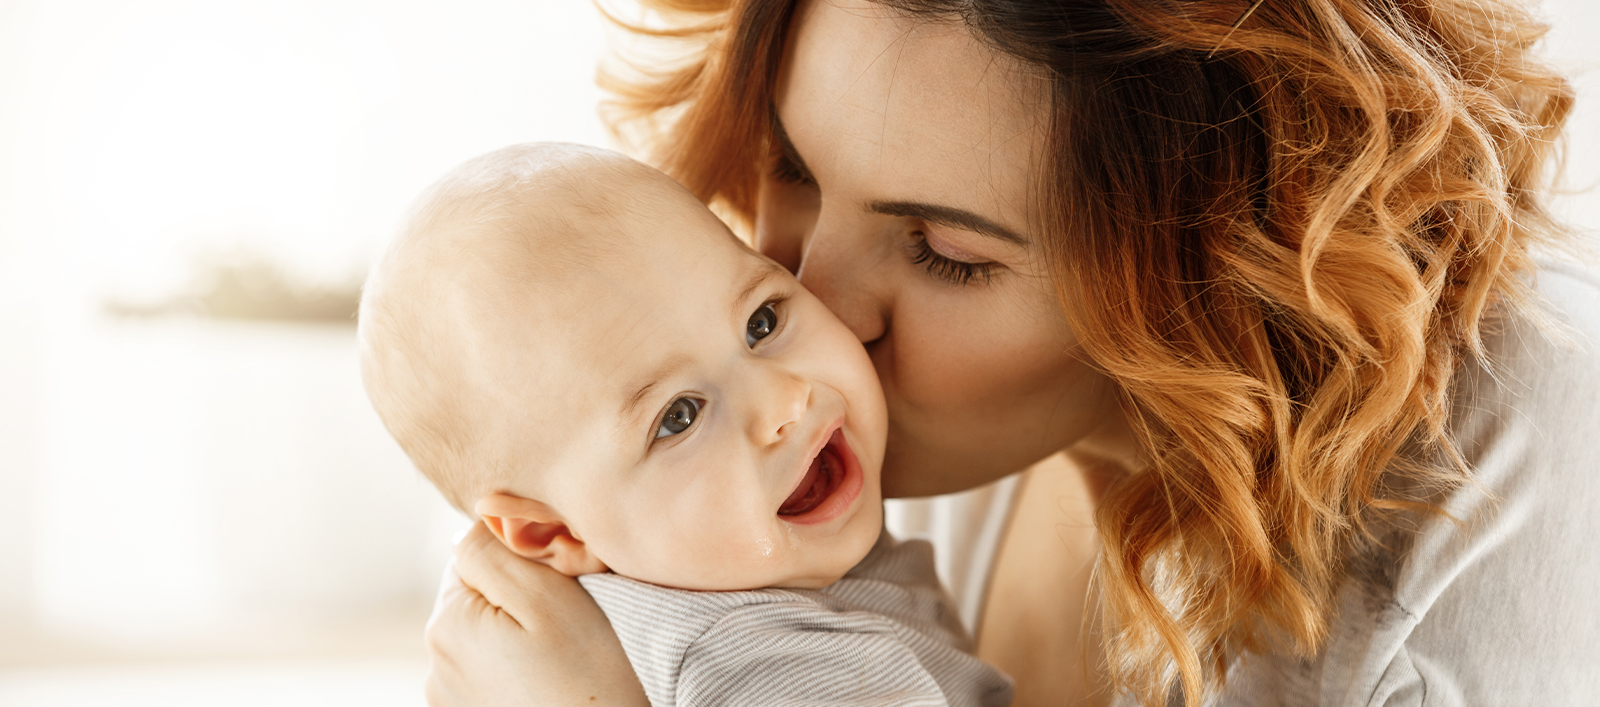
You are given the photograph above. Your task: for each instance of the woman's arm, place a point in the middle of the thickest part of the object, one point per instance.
(508, 631)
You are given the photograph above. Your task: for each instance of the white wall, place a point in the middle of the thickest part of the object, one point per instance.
(192, 487)
(1571, 45)
(20, 334)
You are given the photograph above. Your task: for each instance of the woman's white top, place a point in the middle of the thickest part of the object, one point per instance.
(1500, 606)
(965, 529)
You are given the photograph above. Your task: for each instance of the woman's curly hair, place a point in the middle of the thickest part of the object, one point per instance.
(1280, 241)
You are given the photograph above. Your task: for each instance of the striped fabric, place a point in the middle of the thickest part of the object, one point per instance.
(885, 634)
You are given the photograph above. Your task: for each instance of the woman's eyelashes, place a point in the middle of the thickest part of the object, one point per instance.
(786, 170)
(955, 272)
(680, 416)
(762, 323)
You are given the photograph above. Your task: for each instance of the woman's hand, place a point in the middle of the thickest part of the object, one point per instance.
(510, 631)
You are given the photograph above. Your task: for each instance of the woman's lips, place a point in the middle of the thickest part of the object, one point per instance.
(831, 485)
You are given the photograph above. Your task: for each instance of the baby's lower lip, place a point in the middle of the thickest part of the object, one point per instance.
(843, 486)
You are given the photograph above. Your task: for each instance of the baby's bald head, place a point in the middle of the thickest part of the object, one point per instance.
(462, 293)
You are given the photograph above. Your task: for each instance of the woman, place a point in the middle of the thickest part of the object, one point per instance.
(1264, 270)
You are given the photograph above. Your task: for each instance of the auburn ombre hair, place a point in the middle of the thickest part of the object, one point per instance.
(1280, 242)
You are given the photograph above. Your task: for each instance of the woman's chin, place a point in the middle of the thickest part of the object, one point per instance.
(910, 472)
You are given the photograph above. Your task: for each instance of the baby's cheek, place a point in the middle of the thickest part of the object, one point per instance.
(756, 559)
(764, 547)
(713, 554)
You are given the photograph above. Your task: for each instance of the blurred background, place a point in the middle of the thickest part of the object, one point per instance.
(197, 504)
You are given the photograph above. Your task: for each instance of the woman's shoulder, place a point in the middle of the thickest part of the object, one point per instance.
(1501, 592)
(1561, 330)
(1536, 389)
(1493, 603)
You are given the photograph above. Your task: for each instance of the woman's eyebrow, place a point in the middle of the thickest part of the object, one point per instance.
(933, 213)
(947, 216)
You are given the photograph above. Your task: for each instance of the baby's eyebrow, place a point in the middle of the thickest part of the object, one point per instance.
(766, 271)
(630, 406)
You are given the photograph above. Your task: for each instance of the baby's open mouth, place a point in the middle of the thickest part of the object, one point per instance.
(824, 477)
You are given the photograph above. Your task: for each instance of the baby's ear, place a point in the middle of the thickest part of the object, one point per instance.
(535, 531)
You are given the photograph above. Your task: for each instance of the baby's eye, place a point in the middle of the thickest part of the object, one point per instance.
(761, 324)
(680, 415)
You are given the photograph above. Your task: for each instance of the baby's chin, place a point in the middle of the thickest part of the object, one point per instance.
(819, 577)
(775, 557)
(851, 547)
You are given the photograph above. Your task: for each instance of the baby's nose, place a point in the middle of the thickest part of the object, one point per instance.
(780, 407)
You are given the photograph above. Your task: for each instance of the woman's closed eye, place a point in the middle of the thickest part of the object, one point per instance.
(785, 169)
(680, 416)
(950, 270)
(787, 165)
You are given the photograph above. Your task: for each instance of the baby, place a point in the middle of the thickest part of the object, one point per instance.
(576, 351)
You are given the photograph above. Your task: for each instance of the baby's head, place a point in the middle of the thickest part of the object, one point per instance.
(569, 345)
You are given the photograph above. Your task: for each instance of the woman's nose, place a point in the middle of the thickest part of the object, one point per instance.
(779, 403)
(842, 265)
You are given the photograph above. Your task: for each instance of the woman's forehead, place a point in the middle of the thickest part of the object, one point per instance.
(911, 104)
(870, 57)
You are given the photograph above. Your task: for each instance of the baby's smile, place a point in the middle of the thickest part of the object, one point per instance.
(831, 483)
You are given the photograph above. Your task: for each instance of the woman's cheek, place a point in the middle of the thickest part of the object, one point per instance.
(948, 351)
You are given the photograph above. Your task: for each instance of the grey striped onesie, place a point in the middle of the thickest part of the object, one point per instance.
(885, 634)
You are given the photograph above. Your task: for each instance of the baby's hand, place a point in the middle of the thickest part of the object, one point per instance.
(509, 631)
